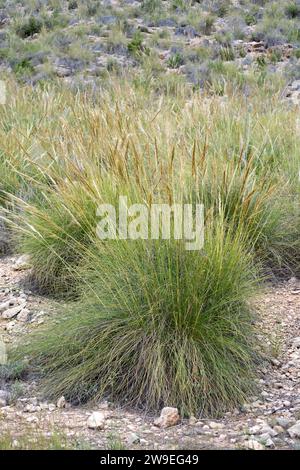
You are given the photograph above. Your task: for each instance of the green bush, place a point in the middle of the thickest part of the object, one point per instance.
(175, 61)
(136, 46)
(29, 27)
(227, 54)
(292, 10)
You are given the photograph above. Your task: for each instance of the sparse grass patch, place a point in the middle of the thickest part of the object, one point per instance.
(32, 439)
(29, 27)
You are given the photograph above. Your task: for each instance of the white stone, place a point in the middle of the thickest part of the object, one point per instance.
(294, 431)
(252, 444)
(214, 425)
(22, 263)
(96, 420)
(13, 311)
(61, 402)
(133, 439)
(2, 402)
(23, 316)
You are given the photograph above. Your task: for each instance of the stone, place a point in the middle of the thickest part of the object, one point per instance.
(13, 311)
(294, 431)
(192, 420)
(252, 444)
(278, 429)
(133, 439)
(255, 429)
(2, 402)
(214, 425)
(23, 316)
(4, 395)
(61, 402)
(266, 429)
(63, 71)
(169, 417)
(295, 86)
(3, 353)
(5, 305)
(296, 343)
(22, 263)
(96, 420)
(266, 440)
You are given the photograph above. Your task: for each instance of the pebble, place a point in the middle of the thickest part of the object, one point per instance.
(96, 420)
(133, 439)
(294, 431)
(169, 417)
(252, 444)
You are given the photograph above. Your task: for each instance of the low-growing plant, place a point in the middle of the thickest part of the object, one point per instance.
(250, 19)
(151, 6)
(136, 45)
(12, 371)
(175, 61)
(292, 9)
(23, 67)
(29, 27)
(33, 439)
(227, 54)
(206, 25)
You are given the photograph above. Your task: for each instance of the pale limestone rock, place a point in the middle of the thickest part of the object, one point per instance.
(169, 417)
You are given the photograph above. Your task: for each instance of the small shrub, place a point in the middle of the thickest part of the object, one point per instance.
(29, 27)
(151, 6)
(72, 5)
(23, 67)
(261, 61)
(250, 19)
(136, 46)
(275, 56)
(227, 54)
(175, 61)
(292, 10)
(296, 53)
(16, 370)
(206, 25)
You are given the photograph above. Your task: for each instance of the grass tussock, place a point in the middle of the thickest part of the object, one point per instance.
(158, 325)
(153, 324)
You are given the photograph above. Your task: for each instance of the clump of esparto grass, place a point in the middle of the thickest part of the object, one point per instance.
(29, 27)
(157, 325)
(54, 232)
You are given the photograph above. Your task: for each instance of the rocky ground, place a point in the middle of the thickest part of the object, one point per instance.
(202, 43)
(269, 420)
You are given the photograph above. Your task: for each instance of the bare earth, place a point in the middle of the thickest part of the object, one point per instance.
(264, 422)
